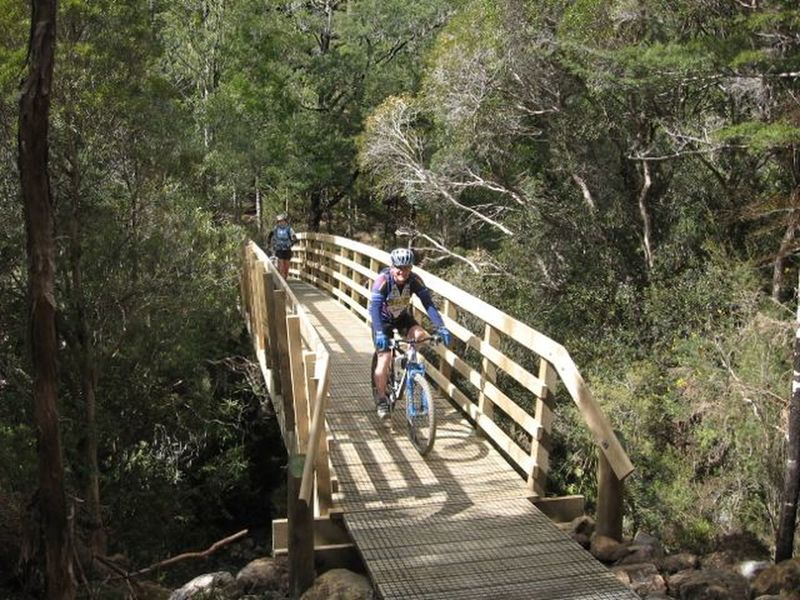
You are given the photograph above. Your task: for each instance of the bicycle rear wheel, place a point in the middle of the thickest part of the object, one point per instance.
(421, 414)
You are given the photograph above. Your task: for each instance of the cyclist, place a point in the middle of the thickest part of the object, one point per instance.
(282, 237)
(390, 308)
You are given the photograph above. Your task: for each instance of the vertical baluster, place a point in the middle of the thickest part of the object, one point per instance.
(540, 449)
(488, 372)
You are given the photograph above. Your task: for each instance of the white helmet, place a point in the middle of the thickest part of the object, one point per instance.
(402, 257)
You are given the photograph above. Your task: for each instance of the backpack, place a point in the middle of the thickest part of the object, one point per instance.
(282, 238)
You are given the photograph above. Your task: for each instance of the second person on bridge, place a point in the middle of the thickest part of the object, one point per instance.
(390, 309)
(282, 238)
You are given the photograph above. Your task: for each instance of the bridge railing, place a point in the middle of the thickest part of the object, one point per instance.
(480, 387)
(295, 366)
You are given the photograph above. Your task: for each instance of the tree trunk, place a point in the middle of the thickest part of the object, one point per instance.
(82, 347)
(784, 542)
(34, 108)
(316, 209)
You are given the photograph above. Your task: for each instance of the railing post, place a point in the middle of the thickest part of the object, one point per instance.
(282, 366)
(296, 366)
(375, 267)
(244, 287)
(300, 543)
(448, 310)
(303, 257)
(267, 292)
(610, 499)
(540, 448)
(488, 372)
(342, 271)
(260, 310)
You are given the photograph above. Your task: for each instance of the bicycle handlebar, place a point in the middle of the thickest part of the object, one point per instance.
(433, 339)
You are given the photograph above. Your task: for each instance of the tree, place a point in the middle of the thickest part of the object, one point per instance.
(784, 540)
(34, 110)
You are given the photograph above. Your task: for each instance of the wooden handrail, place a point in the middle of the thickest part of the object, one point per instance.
(321, 260)
(255, 302)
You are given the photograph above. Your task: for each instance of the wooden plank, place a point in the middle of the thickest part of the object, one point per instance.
(489, 352)
(327, 531)
(511, 408)
(562, 509)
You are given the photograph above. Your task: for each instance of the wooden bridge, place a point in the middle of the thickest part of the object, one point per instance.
(471, 519)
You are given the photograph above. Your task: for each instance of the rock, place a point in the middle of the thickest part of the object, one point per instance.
(217, 585)
(339, 584)
(750, 568)
(147, 590)
(734, 548)
(638, 554)
(642, 578)
(678, 562)
(582, 539)
(264, 574)
(783, 577)
(583, 525)
(645, 539)
(711, 584)
(607, 549)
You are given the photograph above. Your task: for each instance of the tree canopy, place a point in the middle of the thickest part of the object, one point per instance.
(622, 175)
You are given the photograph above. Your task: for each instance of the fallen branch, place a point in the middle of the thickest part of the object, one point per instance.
(211, 549)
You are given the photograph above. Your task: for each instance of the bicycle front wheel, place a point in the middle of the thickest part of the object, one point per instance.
(421, 414)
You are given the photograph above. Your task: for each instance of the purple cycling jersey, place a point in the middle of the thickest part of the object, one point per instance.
(390, 301)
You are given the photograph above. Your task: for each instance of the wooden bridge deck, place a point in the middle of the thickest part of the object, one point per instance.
(455, 524)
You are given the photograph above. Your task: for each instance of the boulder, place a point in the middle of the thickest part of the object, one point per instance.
(263, 574)
(583, 525)
(751, 568)
(339, 584)
(645, 539)
(638, 554)
(711, 584)
(783, 577)
(147, 590)
(734, 548)
(642, 578)
(217, 585)
(682, 561)
(582, 539)
(607, 549)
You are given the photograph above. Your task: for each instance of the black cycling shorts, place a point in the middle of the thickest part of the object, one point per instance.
(283, 254)
(402, 323)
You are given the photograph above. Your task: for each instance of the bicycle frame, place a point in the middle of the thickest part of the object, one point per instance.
(409, 366)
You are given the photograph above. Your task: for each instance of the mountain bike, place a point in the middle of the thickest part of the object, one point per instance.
(407, 378)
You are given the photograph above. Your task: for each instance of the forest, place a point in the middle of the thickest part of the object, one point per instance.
(621, 175)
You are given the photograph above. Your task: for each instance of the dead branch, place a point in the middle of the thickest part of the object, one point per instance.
(204, 554)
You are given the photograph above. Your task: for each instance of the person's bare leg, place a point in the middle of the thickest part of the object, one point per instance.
(416, 333)
(382, 373)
